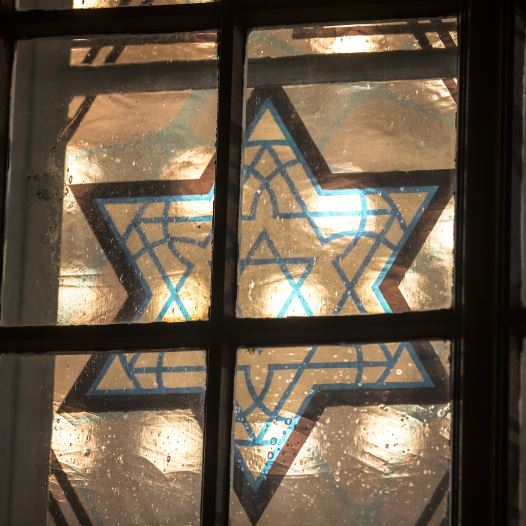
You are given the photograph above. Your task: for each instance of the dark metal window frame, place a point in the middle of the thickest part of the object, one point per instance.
(485, 323)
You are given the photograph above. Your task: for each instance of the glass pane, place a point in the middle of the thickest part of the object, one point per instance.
(25, 5)
(111, 185)
(370, 37)
(347, 202)
(115, 438)
(347, 434)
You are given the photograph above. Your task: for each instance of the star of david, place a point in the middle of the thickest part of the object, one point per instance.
(155, 230)
(361, 230)
(264, 411)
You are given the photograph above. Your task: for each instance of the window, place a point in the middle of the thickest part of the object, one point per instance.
(256, 262)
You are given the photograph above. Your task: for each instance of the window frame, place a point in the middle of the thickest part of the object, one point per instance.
(485, 320)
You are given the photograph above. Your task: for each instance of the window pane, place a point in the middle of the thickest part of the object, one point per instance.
(111, 184)
(121, 436)
(25, 5)
(347, 434)
(347, 202)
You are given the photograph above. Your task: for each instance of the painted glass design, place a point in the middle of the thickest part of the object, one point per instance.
(118, 193)
(342, 434)
(127, 438)
(347, 202)
(25, 5)
(102, 439)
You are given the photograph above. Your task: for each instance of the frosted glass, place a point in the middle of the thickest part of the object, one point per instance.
(342, 433)
(114, 438)
(110, 210)
(128, 437)
(347, 202)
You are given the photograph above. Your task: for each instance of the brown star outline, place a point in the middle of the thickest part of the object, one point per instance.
(253, 501)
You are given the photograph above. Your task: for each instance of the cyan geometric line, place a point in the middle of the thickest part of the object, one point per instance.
(282, 263)
(132, 371)
(281, 170)
(261, 438)
(395, 215)
(149, 247)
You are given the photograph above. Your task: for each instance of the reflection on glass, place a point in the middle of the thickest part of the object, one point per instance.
(341, 433)
(118, 192)
(346, 202)
(93, 52)
(402, 35)
(127, 438)
(25, 5)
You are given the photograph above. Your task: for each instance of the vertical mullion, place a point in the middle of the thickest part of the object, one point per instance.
(515, 292)
(485, 111)
(221, 356)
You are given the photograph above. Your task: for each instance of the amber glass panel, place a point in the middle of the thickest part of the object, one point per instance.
(119, 437)
(347, 434)
(347, 202)
(111, 185)
(25, 5)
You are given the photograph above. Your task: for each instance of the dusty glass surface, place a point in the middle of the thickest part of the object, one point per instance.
(25, 5)
(118, 437)
(111, 183)
(348, 434)
(347, 201)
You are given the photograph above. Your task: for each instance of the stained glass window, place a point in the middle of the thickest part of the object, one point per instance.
(111, 208)
(308, 382)
(346, 207)
(346, 202)
(342, 434)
